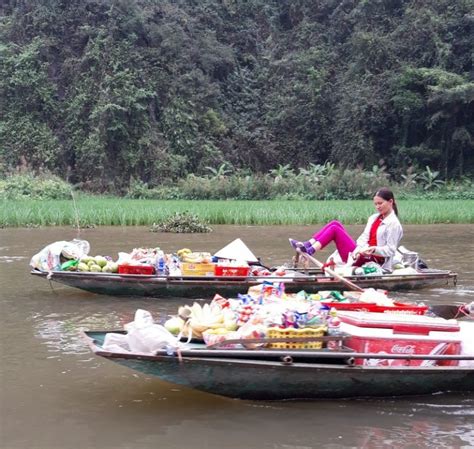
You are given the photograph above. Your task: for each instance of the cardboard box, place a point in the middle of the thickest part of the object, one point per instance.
(197, 269)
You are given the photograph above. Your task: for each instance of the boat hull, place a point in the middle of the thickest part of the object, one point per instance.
(280, 380)
(195, 287)
(264, 380)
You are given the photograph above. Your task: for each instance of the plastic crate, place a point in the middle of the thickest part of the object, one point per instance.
(231, 271)
(197, 269)
(275, 332)
(398, 307)
(136, 269)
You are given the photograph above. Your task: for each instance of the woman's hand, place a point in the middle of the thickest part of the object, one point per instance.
(369, 251)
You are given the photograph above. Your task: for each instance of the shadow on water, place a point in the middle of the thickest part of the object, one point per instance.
(56, 394)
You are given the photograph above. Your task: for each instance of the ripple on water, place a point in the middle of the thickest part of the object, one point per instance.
(11, 259)
(61, 333)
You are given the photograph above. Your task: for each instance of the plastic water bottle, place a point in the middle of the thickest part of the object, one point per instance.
(334, 324)
(173, 268)
(160, 266)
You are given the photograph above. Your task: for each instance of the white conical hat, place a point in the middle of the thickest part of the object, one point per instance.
(236, 250)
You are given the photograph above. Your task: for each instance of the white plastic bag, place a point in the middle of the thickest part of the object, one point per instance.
(142, 319)
(146, 337)
(116, 343)
(49, 258)
(152, 338)
(379, 297)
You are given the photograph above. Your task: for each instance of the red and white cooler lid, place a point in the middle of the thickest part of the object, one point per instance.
(400, 323)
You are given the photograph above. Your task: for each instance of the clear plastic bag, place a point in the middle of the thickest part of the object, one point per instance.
(75, 249)
(408, 258)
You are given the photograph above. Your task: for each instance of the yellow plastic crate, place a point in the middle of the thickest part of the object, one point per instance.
(292, 333)
(197, 269)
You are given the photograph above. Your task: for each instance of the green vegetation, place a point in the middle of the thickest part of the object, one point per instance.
(319, 182)
(37, 187)
(167, 96)
(125, 212)
(181, 222)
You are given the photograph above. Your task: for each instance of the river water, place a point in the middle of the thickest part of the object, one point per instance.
(54, 394)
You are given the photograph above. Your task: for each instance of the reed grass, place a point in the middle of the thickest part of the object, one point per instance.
(100, 211)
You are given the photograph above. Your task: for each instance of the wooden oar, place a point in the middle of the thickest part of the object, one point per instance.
(350, 284)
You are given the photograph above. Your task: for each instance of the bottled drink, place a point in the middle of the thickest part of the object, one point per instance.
(338, 296)
(334, 324)
(160, 265)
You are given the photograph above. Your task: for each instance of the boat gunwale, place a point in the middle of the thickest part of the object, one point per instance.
(99, 351)
(448, 274)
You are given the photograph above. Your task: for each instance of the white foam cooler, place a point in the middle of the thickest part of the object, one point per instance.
(382, 333)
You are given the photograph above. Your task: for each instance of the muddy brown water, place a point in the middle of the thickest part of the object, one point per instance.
(55, 394)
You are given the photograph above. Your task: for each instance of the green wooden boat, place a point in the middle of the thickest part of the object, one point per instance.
(291, 374)
(201, 286)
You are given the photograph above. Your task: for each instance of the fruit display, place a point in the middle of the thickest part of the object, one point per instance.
(97, 264)
(194, 320)
(73, 256)
(267, 312)
(250, 317)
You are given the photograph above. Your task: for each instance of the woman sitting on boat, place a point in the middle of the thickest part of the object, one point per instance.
(378, 243)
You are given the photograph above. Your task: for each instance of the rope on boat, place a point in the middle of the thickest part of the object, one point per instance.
(465, 310)
(48, 277)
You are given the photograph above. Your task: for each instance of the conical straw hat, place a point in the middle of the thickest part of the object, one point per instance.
(237, 250)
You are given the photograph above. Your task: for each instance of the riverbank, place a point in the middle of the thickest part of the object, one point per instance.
(96, 211)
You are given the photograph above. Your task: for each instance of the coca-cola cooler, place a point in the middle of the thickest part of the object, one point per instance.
(384, 333)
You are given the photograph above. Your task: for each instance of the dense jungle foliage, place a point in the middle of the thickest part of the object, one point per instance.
(114, 94)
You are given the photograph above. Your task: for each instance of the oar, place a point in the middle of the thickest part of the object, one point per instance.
(350, 284)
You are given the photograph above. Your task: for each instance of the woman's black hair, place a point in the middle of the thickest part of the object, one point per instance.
(387, 195)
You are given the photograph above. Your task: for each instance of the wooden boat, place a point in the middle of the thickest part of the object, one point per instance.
(199, 286)
(291, 374)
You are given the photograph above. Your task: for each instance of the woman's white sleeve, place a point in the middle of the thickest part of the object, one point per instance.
(393, 235)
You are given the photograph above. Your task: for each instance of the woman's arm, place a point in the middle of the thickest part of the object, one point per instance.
(389, 240)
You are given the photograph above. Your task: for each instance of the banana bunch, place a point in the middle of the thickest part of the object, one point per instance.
(194, 257)
(183, 251)
(201, 318)
(191, 258)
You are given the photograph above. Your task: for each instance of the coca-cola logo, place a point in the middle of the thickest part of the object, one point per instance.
(400, 349)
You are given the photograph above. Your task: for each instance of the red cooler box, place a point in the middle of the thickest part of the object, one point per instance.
(382, 333)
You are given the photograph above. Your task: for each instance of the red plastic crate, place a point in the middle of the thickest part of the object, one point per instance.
(398, 307)
(231, 271)
(136, 269)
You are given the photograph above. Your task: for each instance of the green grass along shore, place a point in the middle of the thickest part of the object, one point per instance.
(128, 212)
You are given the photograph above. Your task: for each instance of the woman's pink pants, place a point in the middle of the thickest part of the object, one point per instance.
(335, 232)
